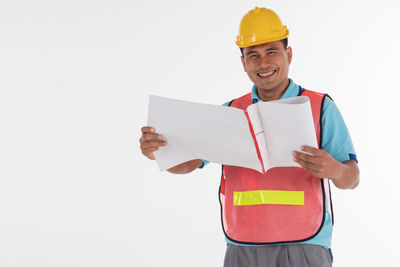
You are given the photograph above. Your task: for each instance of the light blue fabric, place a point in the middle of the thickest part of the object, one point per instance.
(335, 140)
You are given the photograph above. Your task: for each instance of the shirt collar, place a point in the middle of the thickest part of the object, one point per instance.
(291, 91)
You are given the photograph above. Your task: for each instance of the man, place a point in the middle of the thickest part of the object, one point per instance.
(282, 218)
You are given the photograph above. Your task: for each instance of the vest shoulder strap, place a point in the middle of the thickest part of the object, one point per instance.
(242, 102)
(317, 104)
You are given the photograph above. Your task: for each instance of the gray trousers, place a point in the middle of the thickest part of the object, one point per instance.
(294, 255)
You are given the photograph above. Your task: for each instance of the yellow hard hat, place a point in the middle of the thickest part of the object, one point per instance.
(260, 25)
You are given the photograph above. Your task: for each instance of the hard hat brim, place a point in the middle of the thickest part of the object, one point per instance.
(247, 43)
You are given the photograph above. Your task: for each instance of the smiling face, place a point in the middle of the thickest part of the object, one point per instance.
(267, 66)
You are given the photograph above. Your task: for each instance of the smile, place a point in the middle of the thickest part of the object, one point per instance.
(267, 74)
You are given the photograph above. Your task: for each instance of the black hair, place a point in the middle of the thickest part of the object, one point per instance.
(284, 42)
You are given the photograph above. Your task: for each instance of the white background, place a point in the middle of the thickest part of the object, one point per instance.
(75, 77)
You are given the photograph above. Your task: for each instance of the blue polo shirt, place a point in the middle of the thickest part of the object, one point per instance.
(335, 140)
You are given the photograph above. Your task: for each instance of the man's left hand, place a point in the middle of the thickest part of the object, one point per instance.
(319, 164)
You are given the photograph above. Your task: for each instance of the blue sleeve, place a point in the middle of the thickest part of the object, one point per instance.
(205, 162)
(336, 139)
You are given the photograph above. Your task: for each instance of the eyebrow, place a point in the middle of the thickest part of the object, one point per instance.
(271, 49)
(251, 52)
(266, 50)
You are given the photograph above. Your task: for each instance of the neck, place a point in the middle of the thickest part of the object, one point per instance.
(273, 94)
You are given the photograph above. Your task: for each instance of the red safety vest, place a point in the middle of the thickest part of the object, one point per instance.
(285, 205)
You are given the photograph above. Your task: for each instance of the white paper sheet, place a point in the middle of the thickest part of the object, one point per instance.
(200, 131)
(288, 124)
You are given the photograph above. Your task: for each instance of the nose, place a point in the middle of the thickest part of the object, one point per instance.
(264, 61)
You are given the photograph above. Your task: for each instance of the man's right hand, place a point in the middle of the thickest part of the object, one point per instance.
(150, 141)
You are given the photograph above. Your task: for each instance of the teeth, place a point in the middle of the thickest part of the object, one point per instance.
(266, 74)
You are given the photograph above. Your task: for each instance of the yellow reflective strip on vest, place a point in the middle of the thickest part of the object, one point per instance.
(268, 197)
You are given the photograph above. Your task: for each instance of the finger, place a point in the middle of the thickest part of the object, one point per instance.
(314, 169)
(152, 137)
(303, 163)
(302, 156)
(149, 150)
(311, 150)
(148, 129)
(149, 153)
(153, 144)
(308, 166)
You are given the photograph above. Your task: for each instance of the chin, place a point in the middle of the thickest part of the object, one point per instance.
(266, 86)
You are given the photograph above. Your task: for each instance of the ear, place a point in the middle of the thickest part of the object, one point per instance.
(243, 62)
(289, 54)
